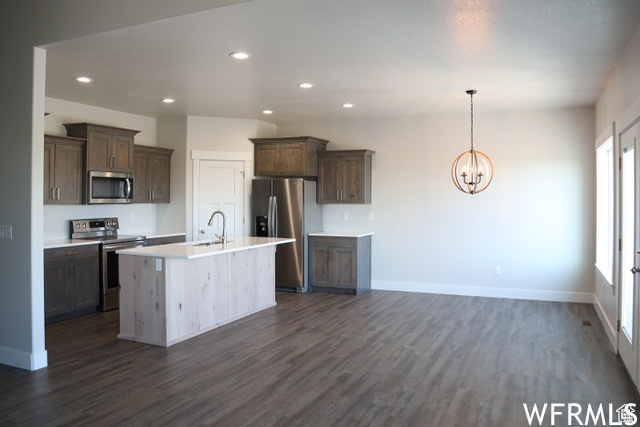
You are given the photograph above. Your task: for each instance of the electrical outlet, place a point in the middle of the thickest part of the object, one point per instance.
(496, 270)
(369, 216)
(346, 216)
(6, 232)
(158, 264)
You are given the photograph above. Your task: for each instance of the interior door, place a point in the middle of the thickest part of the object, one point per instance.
(630, 250)
(221, 187)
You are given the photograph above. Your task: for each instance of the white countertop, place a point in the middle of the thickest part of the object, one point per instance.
(341, 234)
(189, 251)
(61, 243)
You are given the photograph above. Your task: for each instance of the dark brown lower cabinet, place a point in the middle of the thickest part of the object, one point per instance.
(155, 241)
(71, 280)
(340, 264)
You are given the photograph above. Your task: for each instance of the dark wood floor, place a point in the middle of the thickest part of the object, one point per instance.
(383, 358)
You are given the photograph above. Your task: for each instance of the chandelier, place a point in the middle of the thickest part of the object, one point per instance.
(472, 171)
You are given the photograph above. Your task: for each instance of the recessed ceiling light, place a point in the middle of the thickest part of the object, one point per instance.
(239, 55)
(267, 111)
(84, 79)
(347, 105)
(306, 85)
(168, 100)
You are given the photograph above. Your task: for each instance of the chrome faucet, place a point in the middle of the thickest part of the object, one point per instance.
(222, 238)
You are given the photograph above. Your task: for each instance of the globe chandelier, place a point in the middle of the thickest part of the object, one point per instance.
(472, 171)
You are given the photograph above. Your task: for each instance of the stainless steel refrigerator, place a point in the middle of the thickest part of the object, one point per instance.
(286, 207)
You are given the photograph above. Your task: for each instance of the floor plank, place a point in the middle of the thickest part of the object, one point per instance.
(382, 358)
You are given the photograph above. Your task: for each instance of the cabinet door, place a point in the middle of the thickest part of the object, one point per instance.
(141, 178)
(122, 153)
(267, 160)
(352, 185)
(345, 268)
(159, 178)
(49, 172)
(84, 286)
(98, 151)
(292, 159)
(320, 267)
(56, 295)
(68, 173)
(328, 187)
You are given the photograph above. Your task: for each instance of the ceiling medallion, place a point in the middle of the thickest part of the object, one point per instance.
(472, 171)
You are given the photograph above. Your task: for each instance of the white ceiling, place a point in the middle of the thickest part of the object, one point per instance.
(401, 57)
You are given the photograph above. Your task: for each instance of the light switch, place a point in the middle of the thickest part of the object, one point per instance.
(158, 264)
(6, 232)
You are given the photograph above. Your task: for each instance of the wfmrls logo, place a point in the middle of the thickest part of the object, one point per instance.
(570, 413)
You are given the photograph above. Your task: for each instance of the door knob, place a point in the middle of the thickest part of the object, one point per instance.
(635, 270)
(202, 231)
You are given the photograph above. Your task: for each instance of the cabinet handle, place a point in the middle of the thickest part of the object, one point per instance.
(331, 241)
(153, 194)
(71, 252)
(342, 195)
(53, 193)
(58, 193)
(337, 195)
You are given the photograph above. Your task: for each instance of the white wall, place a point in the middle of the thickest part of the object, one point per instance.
(620, 97)
(172, 133)
(535, 221)
(622, 88)
(218, 134)
(133, 218)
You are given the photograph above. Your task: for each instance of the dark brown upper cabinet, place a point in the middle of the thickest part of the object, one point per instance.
(287, 157)
(152, 174)
(344, 176)
(108, 148)
(63, 170)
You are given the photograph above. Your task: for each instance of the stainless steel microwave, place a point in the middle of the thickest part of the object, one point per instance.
(110, 187)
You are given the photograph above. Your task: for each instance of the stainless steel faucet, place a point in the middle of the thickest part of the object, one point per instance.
(222, 238)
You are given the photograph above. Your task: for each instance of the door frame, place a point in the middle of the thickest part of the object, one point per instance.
(234, 156)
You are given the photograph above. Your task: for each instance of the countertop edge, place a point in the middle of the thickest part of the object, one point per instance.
(340, 234)
(64, 243)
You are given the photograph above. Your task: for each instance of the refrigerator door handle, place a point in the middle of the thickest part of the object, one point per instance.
(275, 217)
(270, 217)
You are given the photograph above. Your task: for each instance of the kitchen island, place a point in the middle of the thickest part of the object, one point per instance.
(173, 292)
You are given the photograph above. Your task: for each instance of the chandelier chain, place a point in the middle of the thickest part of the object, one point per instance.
(471, 121)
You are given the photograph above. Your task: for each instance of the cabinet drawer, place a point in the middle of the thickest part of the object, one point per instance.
(67, 252)
(333, 242)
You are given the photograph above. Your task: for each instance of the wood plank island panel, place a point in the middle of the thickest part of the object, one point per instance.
(164, 301)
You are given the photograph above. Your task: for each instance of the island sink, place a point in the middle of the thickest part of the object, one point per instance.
(205, 243)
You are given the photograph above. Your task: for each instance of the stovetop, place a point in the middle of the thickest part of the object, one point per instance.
(119, 238)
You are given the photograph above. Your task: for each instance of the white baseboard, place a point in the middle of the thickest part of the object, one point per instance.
(529, 294)
(609, 327)
(22, 359)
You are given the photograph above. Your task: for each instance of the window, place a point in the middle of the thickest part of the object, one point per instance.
(604, 209)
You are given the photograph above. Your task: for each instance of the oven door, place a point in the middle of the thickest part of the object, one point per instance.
(109, 285)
